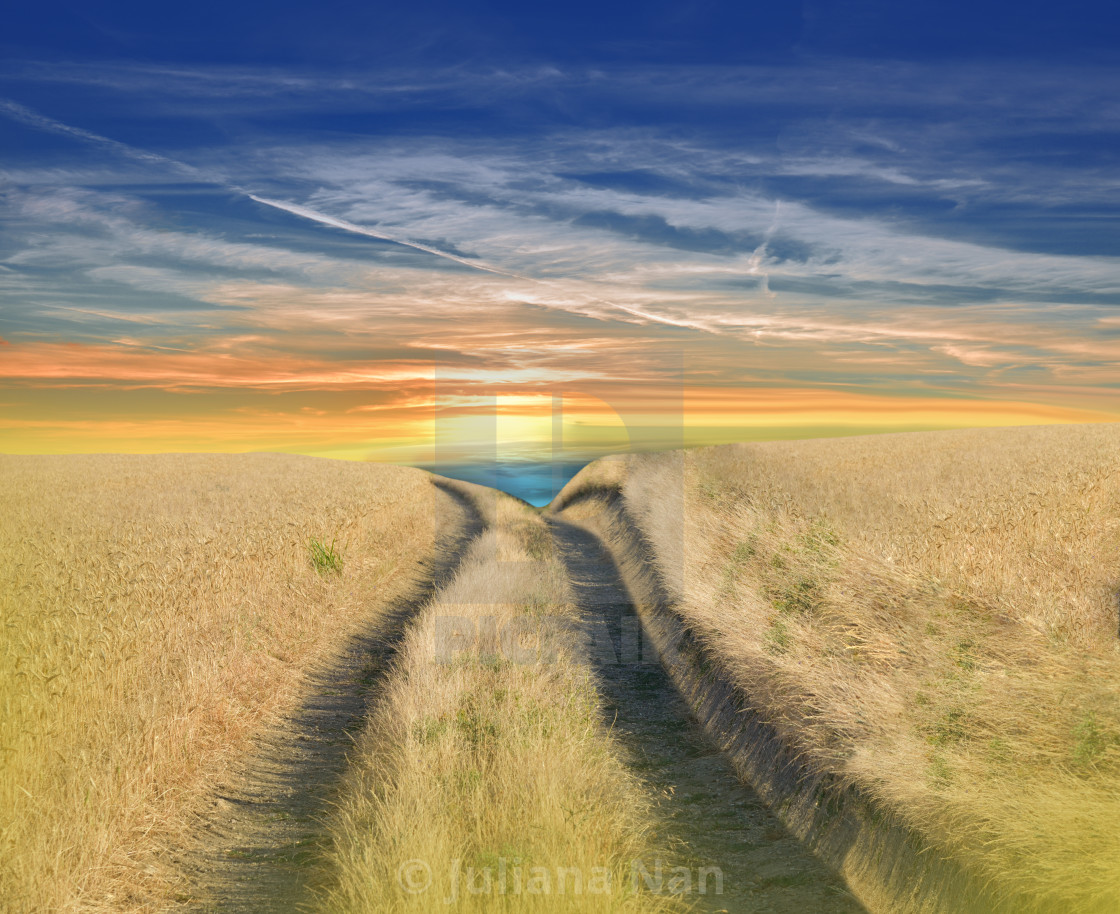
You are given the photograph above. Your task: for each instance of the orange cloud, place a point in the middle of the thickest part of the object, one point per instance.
(75, 362)
(354, 382)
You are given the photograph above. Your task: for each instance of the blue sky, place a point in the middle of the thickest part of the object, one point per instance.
(249, 226)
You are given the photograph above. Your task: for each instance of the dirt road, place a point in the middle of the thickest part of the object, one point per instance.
(266, 842)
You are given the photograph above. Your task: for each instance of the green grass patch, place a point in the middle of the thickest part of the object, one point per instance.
(940, 773)
(324, 559)
(952, 726)
(1090, 740)
(777, 637)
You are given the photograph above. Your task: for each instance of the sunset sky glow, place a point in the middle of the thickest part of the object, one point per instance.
(456, 233)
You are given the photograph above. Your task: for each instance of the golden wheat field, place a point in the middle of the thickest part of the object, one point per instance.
(488, 755)
(931, 617)
(158, 611)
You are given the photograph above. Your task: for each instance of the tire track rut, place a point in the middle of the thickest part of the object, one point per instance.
(709, 817)
(267, 838)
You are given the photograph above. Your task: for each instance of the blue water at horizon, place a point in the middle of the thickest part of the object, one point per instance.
(536, 483)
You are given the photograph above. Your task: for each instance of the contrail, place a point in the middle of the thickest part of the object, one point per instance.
(306, 213)
(350, 226)
(24, 115)
(18, 112)
(297, 210)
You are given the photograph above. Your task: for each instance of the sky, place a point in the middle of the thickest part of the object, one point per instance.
(504, 238)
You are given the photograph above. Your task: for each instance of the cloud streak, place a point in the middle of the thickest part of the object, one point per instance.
(306, 213)
(767, 231)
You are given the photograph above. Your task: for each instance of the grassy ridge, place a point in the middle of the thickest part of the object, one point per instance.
(486, 758)
(157, 612)
(930, 618)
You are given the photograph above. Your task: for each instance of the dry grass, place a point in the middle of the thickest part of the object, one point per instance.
(490, 751)
(932, 617)
(157, 612)
(1028, 519)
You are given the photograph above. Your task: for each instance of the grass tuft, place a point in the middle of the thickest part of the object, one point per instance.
(324, 559)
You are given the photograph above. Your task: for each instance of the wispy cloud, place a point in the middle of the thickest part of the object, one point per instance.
(324, 219)
(878, 232)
